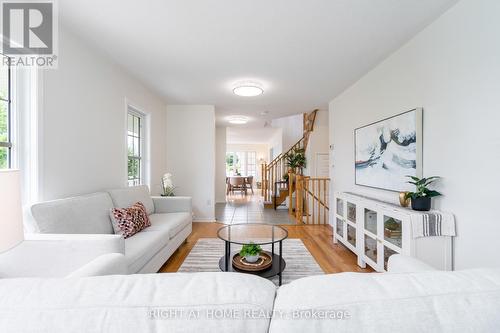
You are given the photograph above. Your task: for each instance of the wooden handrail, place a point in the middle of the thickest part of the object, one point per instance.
(277, 168)
(283, 155)
(311, 199)
(318, 199)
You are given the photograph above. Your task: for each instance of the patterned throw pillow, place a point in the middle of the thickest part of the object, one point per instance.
(129, 221)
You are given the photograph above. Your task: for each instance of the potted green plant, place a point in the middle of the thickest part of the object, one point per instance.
(296, 159)
(421, 198)
(251, 252)
(286, 177)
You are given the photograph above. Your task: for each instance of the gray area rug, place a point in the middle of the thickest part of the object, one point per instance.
(205, 255)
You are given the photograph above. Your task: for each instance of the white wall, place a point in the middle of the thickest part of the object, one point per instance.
(191, 155)
(452, 70)
(318, 142)
(292, 127)
(83, 115)
(261, 150)
(220, 164)
(276, 144)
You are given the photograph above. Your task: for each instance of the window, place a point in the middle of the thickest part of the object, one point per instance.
(135, 145)
(252, 163)
(242, 163)
(5, 114)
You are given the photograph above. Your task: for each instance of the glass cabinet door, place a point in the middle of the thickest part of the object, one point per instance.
(340, 207)
(371, 248)
(393, 231)
(351, 235)
(351, 212)
(387, 253)
(340, 227)
(371, 221)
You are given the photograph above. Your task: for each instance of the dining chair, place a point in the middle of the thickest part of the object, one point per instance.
(249, 183)
(237, 184)
(228, 186)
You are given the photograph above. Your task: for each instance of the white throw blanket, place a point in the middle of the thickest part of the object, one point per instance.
(432, 223)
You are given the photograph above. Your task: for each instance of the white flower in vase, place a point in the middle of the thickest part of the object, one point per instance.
(168, 185)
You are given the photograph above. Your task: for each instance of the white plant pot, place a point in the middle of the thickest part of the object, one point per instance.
(252, 259)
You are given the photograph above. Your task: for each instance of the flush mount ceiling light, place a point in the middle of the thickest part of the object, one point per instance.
(248, 89)
(237, 120)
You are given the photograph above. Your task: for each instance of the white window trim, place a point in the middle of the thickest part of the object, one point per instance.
(145, 142)
(27, 132)
(245, 167)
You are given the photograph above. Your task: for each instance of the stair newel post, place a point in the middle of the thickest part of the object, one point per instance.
(280, 170)
(271, 185)
(290, 191)
(263, 179)
(305, 199)
(266, 181)
(299, 203)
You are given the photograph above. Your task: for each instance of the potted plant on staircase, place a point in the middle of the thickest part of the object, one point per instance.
(421, 198)
(296, 160)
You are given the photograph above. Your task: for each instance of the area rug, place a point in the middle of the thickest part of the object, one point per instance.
(205, 255)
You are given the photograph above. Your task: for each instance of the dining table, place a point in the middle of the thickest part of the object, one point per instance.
(228, 182)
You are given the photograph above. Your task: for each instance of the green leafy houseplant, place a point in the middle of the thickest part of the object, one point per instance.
(421, 198)
(296, 158)
(251, 252)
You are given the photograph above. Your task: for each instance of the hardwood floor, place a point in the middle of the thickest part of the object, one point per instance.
(333, 258)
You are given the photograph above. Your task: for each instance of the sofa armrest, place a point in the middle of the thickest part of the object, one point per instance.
(172, 204)
(107, 264)
(403, 264)
(48, 255)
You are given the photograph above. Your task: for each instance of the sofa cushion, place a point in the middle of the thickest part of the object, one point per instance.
(401, 302)
(126, 197)
(137, 303)
(131, 220)
(141, 247)
(173, 222)
(87, 214)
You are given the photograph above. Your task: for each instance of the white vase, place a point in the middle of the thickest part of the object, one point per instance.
(252, 259)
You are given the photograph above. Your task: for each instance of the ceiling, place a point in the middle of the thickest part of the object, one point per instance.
(250, 135)
(304, 53)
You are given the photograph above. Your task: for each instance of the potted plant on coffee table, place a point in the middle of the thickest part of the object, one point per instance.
(251, 252)
(421, 198)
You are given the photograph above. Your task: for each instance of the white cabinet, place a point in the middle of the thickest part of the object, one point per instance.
(374, 230)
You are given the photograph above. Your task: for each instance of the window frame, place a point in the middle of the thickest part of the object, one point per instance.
(8, 144)
(254, 165)
(141, 158)
(243, 158)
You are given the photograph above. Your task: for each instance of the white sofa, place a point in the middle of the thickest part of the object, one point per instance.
(52, 255)
(146, 251)
(415, 299)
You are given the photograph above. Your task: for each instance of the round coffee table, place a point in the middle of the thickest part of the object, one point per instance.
(253, 233)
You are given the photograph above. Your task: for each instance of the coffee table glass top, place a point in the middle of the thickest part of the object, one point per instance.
(256, 233)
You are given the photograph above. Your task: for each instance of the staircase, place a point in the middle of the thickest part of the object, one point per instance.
(275, 189)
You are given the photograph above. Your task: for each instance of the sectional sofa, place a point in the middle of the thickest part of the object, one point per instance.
(412, 297)
(89, 215)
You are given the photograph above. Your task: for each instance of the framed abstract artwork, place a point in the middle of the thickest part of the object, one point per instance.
(388, 150)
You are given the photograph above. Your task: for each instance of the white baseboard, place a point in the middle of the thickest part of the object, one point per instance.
(204, 219)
